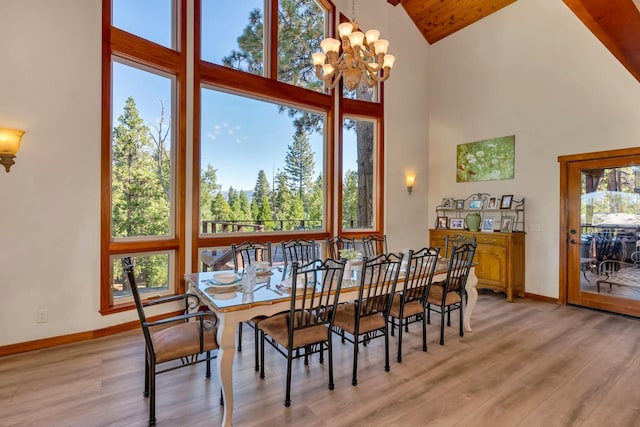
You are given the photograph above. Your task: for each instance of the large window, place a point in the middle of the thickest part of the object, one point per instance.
(259, 171)
(266, 164)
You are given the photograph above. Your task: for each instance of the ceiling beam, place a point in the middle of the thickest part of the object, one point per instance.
(616, 23)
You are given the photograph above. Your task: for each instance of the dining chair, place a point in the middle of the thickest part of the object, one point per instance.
(299, 250)
(336, 243)
(447, 295)
(178, 338)
(456, 240)
(306, 326)
(245, 254)
(408, 306)
(367, 317)
(374, 245)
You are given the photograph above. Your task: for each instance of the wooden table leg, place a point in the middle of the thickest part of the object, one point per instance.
(472, 293)
(226, 352)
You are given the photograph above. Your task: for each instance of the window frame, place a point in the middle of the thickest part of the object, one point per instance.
(146, 54)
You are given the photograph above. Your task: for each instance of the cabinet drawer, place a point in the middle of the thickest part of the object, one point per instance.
(492, 240)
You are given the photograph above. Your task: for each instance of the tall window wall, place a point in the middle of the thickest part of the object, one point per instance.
(266, 165)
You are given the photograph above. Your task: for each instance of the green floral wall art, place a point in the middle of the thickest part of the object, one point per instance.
(488, 160)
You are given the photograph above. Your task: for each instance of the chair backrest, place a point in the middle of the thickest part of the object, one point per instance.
(421, 265)
(374, 245)
(607, 246)
(456, 240)
(247, 252)
(314, 293)
(378, 284)
(128, 267)
(460, 263)
(299, 250)
(337, 243)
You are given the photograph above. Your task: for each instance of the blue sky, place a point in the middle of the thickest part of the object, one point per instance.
(239, 136)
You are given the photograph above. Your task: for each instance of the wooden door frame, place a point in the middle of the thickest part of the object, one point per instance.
(565, 210)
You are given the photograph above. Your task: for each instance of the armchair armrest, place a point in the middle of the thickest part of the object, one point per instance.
(186, 317)
(171, 298)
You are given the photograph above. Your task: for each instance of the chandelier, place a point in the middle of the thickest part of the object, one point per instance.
(357, 56)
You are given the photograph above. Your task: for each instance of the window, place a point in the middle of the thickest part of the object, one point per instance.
(265, 164)
(259, 170)
(358, 174)
(142, 170)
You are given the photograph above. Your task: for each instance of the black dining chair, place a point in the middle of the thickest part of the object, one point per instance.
(374, 245)
(247, 253)
(409, 305)
(306, 326)
(181, 338)
(337, 243)
(367, 317)
(447, 295)
(299, 250)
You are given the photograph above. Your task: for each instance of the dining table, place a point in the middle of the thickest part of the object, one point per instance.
(232, 304)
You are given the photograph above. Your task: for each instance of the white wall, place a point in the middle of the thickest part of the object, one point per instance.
(406, 124)
(50, 201)
(535, 71)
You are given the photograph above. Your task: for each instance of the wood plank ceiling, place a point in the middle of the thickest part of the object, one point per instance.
(616, 23)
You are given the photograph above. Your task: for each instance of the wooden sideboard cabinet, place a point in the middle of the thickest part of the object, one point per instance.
(499, 257)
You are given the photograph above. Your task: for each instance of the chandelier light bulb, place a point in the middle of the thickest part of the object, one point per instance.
(372, 36)
(345, 29)
(388, 61)
(356, 39)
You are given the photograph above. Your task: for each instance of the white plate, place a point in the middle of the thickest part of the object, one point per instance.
(224, 279)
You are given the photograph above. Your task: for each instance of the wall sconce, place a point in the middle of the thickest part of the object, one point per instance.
(410, 180)
(9, 146)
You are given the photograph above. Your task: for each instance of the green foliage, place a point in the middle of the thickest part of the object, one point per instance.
(140, 187)
(299, 164)
(349, 199)
(140, 206)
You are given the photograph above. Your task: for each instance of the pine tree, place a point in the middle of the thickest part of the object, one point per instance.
(299, 165)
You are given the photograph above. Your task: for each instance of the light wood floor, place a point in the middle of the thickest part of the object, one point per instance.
(526, 363)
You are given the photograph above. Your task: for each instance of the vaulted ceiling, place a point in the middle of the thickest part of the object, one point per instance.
(616, 23)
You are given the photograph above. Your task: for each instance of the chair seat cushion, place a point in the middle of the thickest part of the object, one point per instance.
(277, 327)
(411, 308)
(183, 340)
(435, 296)
(346, 320)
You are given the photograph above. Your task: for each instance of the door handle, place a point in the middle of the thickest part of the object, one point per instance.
(573, 242)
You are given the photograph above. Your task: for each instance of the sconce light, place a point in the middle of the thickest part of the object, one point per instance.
(9, 146)
(410, 179)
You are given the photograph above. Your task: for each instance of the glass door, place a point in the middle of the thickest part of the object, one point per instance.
(603, 233)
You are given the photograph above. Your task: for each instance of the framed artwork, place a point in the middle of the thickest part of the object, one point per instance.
(507, 224)
(487, 224)
(507, 199)
(460, 204)
(442, 222)
(447, 203)
(456, 223)
(487, 160)
(475, 204)
(492, 203)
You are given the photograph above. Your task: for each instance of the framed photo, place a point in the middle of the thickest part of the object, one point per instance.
(507, 199)
(456, 223)
(507, 224)
(460, 204)
(492, 203)
(447, 203)
(442, 222)
(475, 204)
(487, 224)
